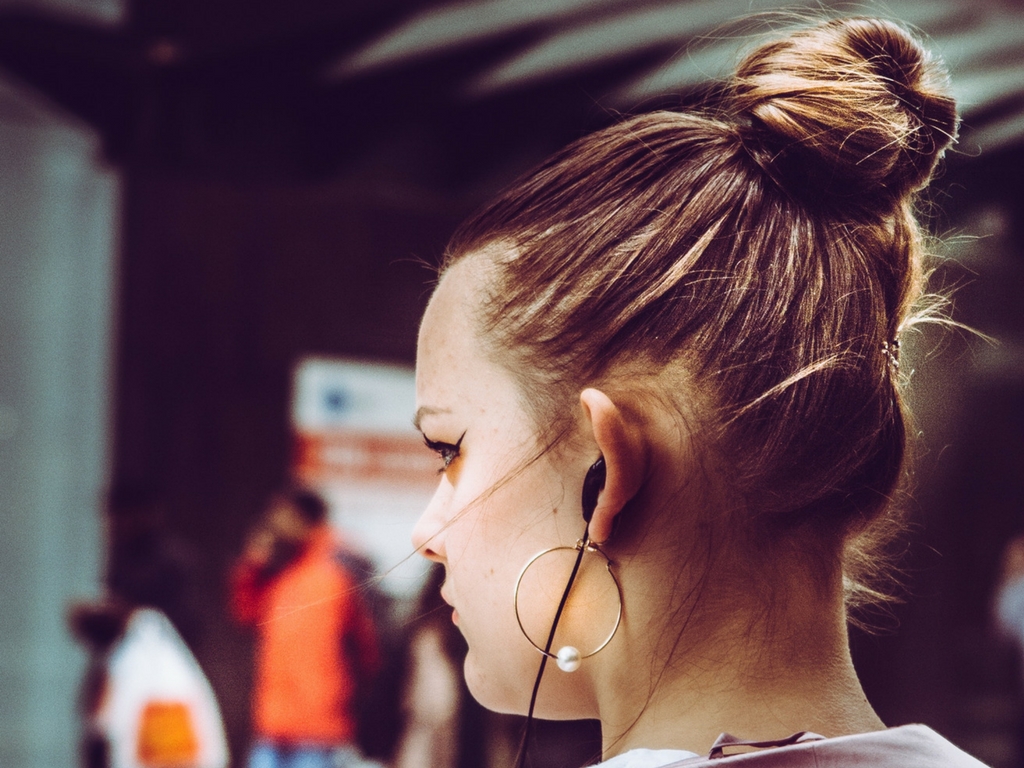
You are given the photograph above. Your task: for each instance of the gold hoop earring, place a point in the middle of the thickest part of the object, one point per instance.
(569, 657)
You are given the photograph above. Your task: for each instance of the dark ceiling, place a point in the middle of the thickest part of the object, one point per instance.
(450, 92)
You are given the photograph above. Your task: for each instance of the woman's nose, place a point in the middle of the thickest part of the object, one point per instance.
(428, 533)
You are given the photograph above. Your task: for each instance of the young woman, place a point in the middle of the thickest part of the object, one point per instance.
(661, 373)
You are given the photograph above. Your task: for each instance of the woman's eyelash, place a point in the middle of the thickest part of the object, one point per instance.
(447, 451)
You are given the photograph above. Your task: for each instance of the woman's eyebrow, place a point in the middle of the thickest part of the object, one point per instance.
(426, 410)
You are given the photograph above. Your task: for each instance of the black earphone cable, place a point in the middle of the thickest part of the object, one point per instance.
(581, 546)
(592, 485)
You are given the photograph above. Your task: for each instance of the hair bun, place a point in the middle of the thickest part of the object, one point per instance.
(854, 109)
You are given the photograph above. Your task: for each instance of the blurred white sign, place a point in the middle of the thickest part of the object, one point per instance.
(354, 441)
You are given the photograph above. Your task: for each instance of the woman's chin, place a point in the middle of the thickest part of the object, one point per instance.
(508, 692)
(493, 689)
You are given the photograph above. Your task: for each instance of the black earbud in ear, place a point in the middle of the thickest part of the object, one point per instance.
(592, 485)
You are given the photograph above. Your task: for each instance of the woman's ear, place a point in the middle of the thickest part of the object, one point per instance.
(626, 457)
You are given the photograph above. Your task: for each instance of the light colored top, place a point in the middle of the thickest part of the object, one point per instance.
(646, 758)
(909, 746)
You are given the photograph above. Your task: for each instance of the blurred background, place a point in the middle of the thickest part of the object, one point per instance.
(197, 195)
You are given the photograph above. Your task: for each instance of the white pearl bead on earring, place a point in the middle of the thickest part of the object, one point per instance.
(568, 658)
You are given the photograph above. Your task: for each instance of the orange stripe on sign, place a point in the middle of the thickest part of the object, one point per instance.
(364, 457)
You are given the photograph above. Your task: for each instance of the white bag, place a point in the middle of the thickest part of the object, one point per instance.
(158, 710)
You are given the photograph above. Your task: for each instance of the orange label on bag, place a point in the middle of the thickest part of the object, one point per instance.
(167, 737)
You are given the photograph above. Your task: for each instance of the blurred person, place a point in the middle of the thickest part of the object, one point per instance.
(148, 564)
(144, 701)
(138, 638)
(1010, 592)
(98, 626)
(432, 692)
(443, 726)
(661, 376)
(315, 640)
(1009, 610)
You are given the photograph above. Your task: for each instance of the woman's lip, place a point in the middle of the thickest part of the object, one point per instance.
(455, 613)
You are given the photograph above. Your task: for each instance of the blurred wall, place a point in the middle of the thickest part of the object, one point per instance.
(58, 221)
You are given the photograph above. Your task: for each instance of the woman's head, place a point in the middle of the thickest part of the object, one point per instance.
(499, 488)
(746, 271)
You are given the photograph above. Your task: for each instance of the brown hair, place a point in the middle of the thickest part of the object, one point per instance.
(768, 250)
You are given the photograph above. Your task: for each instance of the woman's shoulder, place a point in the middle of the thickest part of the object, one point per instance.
(908, 746)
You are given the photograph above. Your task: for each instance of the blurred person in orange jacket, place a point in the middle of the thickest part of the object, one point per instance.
(315, 639)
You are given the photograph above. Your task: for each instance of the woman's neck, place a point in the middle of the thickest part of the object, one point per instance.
(753, 682)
